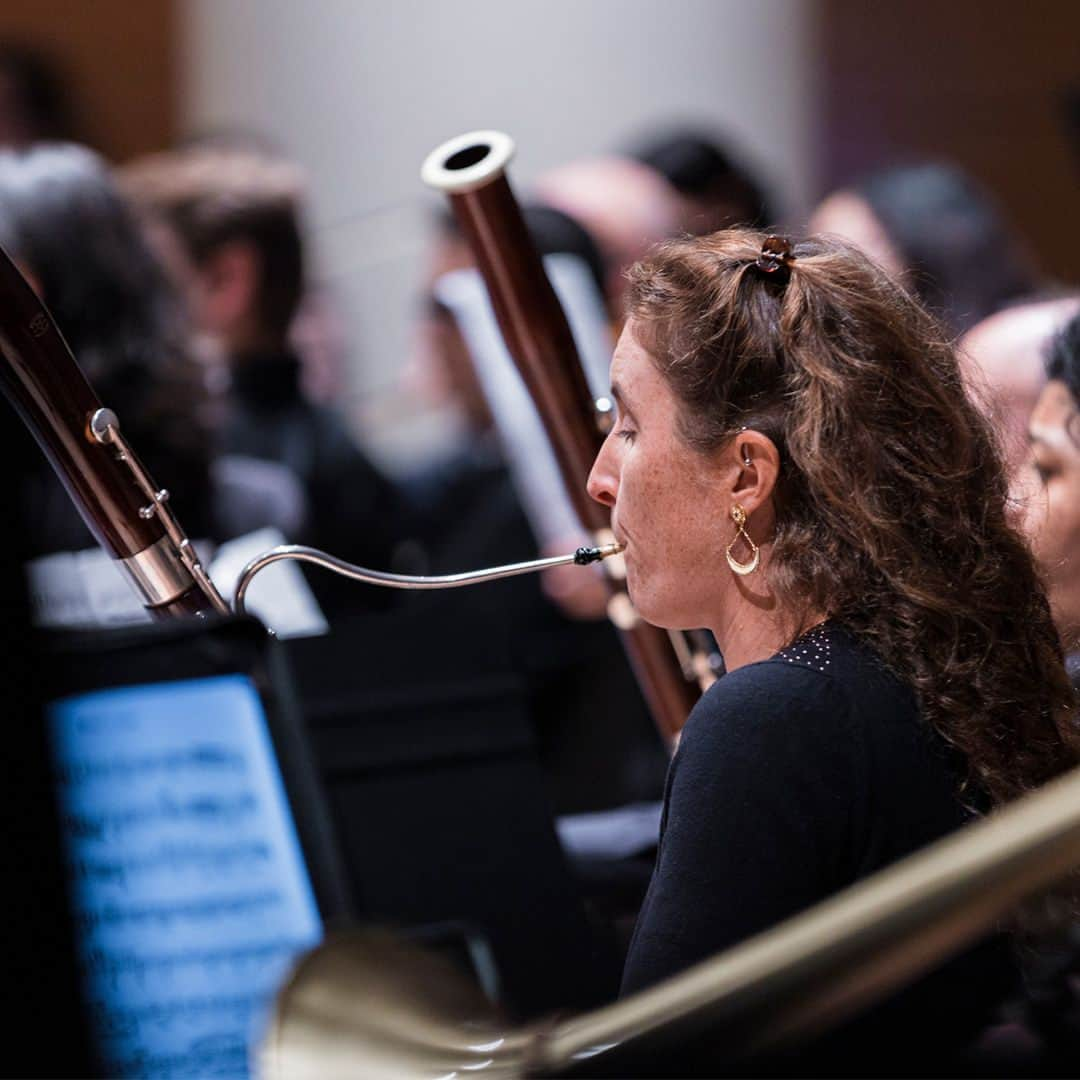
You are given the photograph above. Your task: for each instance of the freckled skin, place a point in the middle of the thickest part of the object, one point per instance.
(1050, 493)
(671, 506)
(668, 501)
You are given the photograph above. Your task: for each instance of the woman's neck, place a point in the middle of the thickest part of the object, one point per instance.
(750, 630)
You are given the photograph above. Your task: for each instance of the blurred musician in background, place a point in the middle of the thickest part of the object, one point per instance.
(451, 496)
(229, 219)
(1049, 491)
(64, 222)
(715, 190)
(796, 466)
(1005, 357)
(1052, 502)
(935, 228)
(34, 105)
(625, 205)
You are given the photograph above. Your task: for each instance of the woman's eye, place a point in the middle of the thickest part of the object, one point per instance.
(626, 433)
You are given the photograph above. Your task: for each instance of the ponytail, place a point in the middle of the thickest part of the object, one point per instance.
(892, 505)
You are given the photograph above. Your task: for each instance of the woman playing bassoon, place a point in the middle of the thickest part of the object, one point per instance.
(795, 465)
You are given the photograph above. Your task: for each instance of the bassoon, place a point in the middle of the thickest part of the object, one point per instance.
(130, 515)
(471, 171)
(125, 510)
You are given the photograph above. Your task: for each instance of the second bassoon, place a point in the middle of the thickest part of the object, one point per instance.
(471, 171)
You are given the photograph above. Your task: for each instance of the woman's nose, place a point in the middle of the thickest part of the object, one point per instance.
(603, 484)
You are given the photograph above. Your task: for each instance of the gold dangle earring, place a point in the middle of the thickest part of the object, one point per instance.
(738, 515)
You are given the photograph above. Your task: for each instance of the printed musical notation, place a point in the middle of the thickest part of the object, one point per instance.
(190, 889)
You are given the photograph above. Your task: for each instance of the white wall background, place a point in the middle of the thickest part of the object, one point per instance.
(358, 91)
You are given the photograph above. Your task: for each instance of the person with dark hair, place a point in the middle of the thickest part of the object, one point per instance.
(229, 219)
(796, 465)
(33, 103)
(1052, 505)
(1004, 358)
(935, 228)
(1050, 496)
(66, 225)
(236, 213)
(716, 190)
(625, 205)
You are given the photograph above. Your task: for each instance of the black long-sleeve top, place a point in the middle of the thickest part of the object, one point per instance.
(794, 778)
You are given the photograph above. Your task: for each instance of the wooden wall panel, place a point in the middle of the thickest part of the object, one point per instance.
(118, 59)
(980, 82)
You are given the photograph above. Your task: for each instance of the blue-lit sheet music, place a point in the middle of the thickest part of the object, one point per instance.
(190, 890)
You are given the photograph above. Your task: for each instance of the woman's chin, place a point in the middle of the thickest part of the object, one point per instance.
(653, 609)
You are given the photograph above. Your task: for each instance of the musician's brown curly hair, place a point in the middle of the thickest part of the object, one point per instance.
(892, 510)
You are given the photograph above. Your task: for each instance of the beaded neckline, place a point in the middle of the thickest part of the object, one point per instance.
(812, 649)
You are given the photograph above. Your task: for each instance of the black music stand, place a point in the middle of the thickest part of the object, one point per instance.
(154, 664)
(421, 728)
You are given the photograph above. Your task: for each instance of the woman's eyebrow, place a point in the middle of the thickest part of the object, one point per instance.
(620, 400)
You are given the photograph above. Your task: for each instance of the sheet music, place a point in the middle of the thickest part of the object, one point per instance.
(88, 588)
(611, 834)
(280, 595)
(190, 891)
(528, 453)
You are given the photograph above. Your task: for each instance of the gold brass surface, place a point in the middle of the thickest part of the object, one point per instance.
(365, 1006)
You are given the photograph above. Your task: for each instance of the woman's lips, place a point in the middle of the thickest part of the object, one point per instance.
(623, 541)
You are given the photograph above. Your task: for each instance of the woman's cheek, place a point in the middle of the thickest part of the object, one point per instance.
(1057, 531)
(1069, 533)
(1033, 507)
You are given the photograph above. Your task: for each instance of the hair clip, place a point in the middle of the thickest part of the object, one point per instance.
(775, 258)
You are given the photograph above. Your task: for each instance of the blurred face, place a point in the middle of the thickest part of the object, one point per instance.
(439, 368)
(848, 216)
(1002, 360)
(1052, 502)
(666, 499)
(625, 206)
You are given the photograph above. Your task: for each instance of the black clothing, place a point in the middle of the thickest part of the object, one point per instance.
(794, 778)
(466, 515)
(353, 510)
(596, 739)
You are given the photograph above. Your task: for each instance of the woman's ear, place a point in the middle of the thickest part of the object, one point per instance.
(755, 467)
